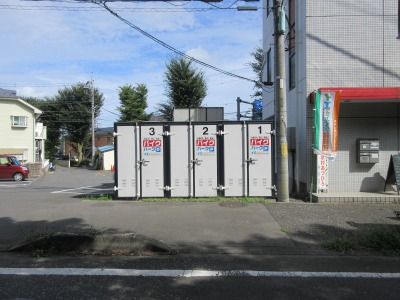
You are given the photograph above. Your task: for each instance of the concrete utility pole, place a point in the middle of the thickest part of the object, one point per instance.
(92, 90)
(280, 103)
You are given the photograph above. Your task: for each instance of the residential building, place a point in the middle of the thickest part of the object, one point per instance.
(20, 133)
(104, 137)
(352, 48)
(106, 158)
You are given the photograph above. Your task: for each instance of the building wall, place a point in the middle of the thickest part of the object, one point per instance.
(353, 44)
(17, 137)
(103, 140)
(268, 43)
(108, 160)
(364, 121)
(340, 44)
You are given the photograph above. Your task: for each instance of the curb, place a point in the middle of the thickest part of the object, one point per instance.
(128, 243)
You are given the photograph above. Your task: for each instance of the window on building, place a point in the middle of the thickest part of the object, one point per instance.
(292, 44)
(108, 140)
(19, 121)
(292, 71)
(269, 65)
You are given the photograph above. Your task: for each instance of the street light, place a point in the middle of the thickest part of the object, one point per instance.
(247, 8)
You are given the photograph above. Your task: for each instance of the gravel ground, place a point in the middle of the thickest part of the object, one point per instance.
(309, 225)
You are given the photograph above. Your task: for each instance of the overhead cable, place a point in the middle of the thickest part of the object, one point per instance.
(103, 4)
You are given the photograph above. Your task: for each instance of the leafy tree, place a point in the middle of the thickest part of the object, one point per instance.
(133, 103)
(184, 86)
(75, 107)
(166, 110)
(50, 119)
(257, 65)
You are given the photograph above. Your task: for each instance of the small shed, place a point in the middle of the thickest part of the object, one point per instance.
(106, 157)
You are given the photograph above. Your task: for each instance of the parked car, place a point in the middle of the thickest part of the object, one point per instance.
(11, 168)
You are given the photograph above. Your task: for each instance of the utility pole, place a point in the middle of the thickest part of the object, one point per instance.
(280, 103)
(92, 89)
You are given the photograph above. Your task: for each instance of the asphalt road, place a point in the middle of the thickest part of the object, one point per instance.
(275, 277)
(234, 253)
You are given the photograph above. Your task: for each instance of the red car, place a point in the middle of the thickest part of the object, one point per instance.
(11, 168)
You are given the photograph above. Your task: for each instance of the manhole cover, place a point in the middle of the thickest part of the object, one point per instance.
(232, 204)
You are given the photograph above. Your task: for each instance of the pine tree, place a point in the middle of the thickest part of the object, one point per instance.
(133, 103)
(257, 65)
(185, 87)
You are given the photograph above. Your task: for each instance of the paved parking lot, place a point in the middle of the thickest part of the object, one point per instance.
(14, 184)
(63, 180)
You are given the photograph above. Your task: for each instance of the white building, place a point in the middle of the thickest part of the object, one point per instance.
(348, 46)
(20, 133)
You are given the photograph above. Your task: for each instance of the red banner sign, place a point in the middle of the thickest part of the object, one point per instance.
(205, 142)
(152, 143)
(259, 142)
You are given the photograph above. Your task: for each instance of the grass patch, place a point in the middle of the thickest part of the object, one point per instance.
(285, 229)
(211, 199)
(48, 241)
(382, 238)
(340, 244)
(111, 196)
(102, 197)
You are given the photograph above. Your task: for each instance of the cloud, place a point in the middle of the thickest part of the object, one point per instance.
(44, 50)
(199, 53)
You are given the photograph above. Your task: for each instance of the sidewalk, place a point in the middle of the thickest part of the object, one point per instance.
(53, 204)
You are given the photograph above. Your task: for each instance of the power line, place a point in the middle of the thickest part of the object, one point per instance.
(165, 45)
(109, 111)
(218, 7)
(175, 8)
(128, 9)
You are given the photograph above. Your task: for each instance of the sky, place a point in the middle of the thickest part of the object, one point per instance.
(48, 45)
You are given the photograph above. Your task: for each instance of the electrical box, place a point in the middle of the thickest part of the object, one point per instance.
(367, 151)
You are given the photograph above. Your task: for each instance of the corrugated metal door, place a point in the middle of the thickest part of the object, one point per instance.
(126, 163)
(259, 159)
(152, 160)
(205, 161)
(181, 156)
(234, 160)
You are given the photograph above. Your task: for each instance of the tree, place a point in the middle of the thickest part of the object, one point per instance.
(257, 65)
(166, 110)
(133, 103)
(185, 87)
(75, 107)
(50, 118)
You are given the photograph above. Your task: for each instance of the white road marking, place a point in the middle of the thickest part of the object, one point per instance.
(77, 190)
(15, 184)
(190, 273)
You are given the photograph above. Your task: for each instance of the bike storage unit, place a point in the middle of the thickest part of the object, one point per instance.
(196, 159)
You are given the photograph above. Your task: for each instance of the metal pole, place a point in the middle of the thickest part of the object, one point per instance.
(280, 108)
(92, 123)
(238, 108)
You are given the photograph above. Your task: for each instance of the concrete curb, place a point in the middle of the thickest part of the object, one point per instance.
(129, 243)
